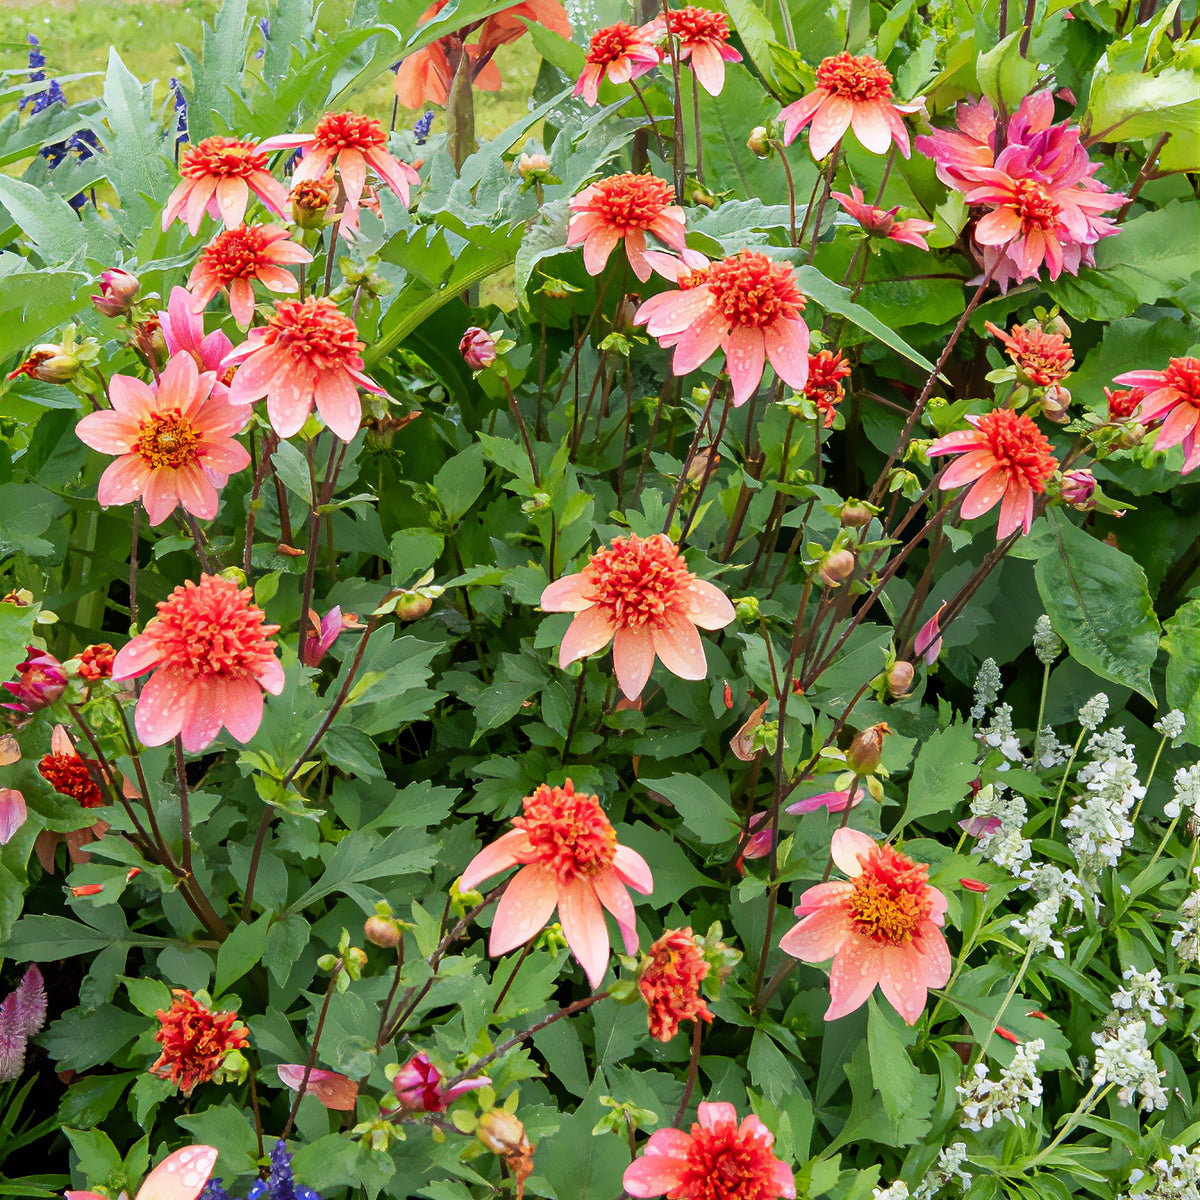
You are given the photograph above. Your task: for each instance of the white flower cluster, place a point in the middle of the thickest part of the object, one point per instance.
(1098, 825)
(1124, 1058)
(897, 1191)
(1178, 1179)
(1147, 994)
(998, 734)
(1094, 711)
(1005, 846)
(1045, 879)
(983, 1101)
(1172, 725)
(1047, 645)
(1050, 751)
(1038, 925)
(1186, 938)
(1187, 793)
(987, 688)
(944, 1172)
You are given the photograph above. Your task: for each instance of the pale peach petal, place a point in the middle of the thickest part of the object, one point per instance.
(984, 494)
(131, 396)
(203, 714)
(565, 594)
(136, 658)
(270, 676)
(123, 480)
(829, 125)
(934, 954)
(937, 913)
(610, 891)
(846, 846)
(633, 870)
(745, 353)
(162, 705)
(353, 169)
(224, 455)
(1016, 509)
(242, 708)
(678, 646)
(583, 926)
(712, 1113)
(870, 125)
(278, 279)
(290, 400)
(399, 176)
(673, 312)
(822, 894)
(256, 374)
(590, 631)
(997, 228)
(597, 247)
(785, 1181)
(798, 114)
(110, 432)
(708, 606)
(787, 343)
(338, 403)
(700, 341)
(232, 196)
(633, 658)
(524, 908)
(818, 936)
(196, 492)
(635, 251)
(967, 469)
(856, 971)
(159, 494)
(653, 1175)
(709, 67)
(491, 860)
(900, 979)
(241, 301)
(198, 197)
(175, 203)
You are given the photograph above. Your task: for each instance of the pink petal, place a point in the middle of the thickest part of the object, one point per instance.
(822, 894)
(353, 169)
(985, 493)
(565, 595)
(159, 494)
(829, 125)
(673, 312)
(524, 908)
(633, 657)
(708, 606)
(162, 705)
(967, 469)
(131, 396)
(290, 400)
(583, 926)
(255, 376)
(123, 480)
(493, 859)
(711, 1113)
(110, 432)
(998, 227)
(668, 1143)
(819, 936)
(590, 631)
(242, 708)
(678, 646)
(136, 658)
(951, 443)
(710, 68)
(180, 1176)
(225, 455)
(1016, 509)
(900, 979)
(203, 716)
(870, 125)
(799, 113)
(934, 953)
(338, 403)
(198, 197)
(745, 352)
(232, 197)
(333, 1090)
(612, 894)
(653, 1175)
(633, 870)
(12, 814)
(597, 247)
(846, 846)
(856, 971)
(787, 345)
(196, 492)
(700, 339)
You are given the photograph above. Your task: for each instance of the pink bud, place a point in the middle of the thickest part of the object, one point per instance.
(1078, 488)
(478, 348)
(118, 291)
(41, 681)
(418, 1086)
(533, 166)
(833, 801)
(929, 640)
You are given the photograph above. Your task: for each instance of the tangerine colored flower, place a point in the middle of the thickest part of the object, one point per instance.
(96, 662)
(1042, 358)
(1172, 397)
(194, 1041)
(219, 174)
(826, 370)
(235, 257)
(619, 53)
(569, 857)
(174, 439)
(309, 351)
(212, 658)
(638, 594)
(881, 928)
(624, 208)
(718, 1160)
(851, 93)
(747, 306)
(703, 39)
(876, 220)
(68, 773)
(1123, 402)
(670, 980)
(1006, 458)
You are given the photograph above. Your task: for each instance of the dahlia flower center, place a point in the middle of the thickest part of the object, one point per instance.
(753, 291)
(722, 1165)
(569, 833)
(228, 158)
(631, 201)
(611, 44)
(313, 195)
(1035, 208)
(236, 253)
(891, 897)
(1124, 402)
(859, 79)
(167, 439)
(1183, 374)
(349, 131)
(638, 581)
(1019, 446)
(315, 330)
(68, 775)
(699, 25)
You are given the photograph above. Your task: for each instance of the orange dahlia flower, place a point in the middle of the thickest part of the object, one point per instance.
(69, 774)
(824, 386)
(703, 40)
(219, 174)
(1171, 397)
(1043, 358)
(618, 53)
(194, 1041)
(624, 208)
(670, 983)
(235, 258)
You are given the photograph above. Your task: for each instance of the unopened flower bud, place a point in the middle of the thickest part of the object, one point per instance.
(1055, 402)
(836, 567)
(700, 195)
(41, 680)
(899, 679)
(355, 959)
(48, 363)
(1078, 488)
(866, 749)
(118, 291)
(478, 348)
(149, 341)
(1058, 325)
(533, 167)
(759, 142)
(855, 514)
(746, 608)
(382, 931)
(1131, 435)
(412, 606)
(502, 1133)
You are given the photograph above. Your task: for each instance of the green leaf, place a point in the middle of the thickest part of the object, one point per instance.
(361, 856)
(1181, 640)
(147, 995)
(1005, 77)
(1098, 602)
(286, 941)
(1129, 105)
(769, 1068)
(98, 1157)
(941, 774)
(754, 28)
(240, 951)
(45, 219)
(413, 551)
(79, 1039)
(217, 74)
(709, 816)
(460, 481)
(893, 1071)
(140, 164)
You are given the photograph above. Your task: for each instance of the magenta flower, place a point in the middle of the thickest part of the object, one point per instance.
(876, 220)
(323, 634)
(41, 679)
(928, 642)
(118, 290)
(183, 331)
(22, 1015)
(418, 1086)
(831, 801)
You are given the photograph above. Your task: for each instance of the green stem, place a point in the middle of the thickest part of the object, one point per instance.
(1012, 991)
(1062, 787)
(1093, 1097)
(1149, 778)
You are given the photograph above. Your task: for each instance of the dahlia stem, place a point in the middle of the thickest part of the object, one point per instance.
(387, 1004)
(512, 975)
(579, 684)
(791, 187)
(809, 208)
(253, 505)
(712, 395)
(1143, 175)
(133, 564)
(696, 121)
(185, 816)
(709, 470)
(188, 525)
(520, 420)
(331, 233)
(829, 173)
(310, 1062)
(692, 1071)
(1149, 779)
(637, 91)
(680, 153)
(573, 363)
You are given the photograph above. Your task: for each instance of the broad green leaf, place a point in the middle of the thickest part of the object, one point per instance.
(1131, 104)
(98, 1157)
(1005, 77)
(769, 1067)
(217, 73)
(240, 951)
(754, 28)
(1181, 640)
(80, 1039)
(893, 1071)
(709, 816)
(941, 775)
(45, 219)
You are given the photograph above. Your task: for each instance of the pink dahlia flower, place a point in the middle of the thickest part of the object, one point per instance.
(183, 331)
(41, 679)
(219, 174)
(212, 658)
(1172, 398)
(876, 220)
(618, 53)
(638, 594)
(703, 40)
(624, 208)
(235, 258)
(569, 857)
(418, 1086)
(719, 1159)
(174, 439)
(832, 801)
(880, 928)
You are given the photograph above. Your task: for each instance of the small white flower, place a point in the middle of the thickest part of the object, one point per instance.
(1187, 793)
(987, 688)
(1094, 711)
(1172, 725)
(984, 1101)
(1040, 924)
(898, 1191)
(1123, 1058)
(1186, 938)
(1047, 645)
(1146, 993)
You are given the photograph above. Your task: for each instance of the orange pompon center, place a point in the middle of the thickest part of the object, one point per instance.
(638, 580)
(1019, 446)
(891, 898)
(349, 131)
(1033, 206)
(860, 79)
(751, 290)
(167, 439)
(670, 983)
(612, 43)
(570, 834)
(692, 25)
(238, 253)
(315, 330)
(1044, 357)
(227, 158)
(68, 775)
(194, 1041)
(1183, 374)
(211, 629)
(631, 201)
(724, 1164)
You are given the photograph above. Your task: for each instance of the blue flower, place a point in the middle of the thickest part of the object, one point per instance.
(214, 1191)
(181, 113)
(422, 127)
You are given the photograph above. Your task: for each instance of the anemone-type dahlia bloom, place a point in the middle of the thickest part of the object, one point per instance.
(212, 658)
(569, 857)
(638, 594)
(851, 93)
(718, 1160)
(174, 441)
(884, 223)
(624, 208)
(619, 53)
(881, 928)
(70, 774)
(96, 662)
(418, 1086)
(824, 387)
(352, 143)
(235, 258)
(308, 351)
(747, 306)
(1006, 458)
(194, 1041)
(219, 174)
(1042, 358)
(1172, 398)
(670, 980)
(183, 331)
(40, 681)
(703, 39)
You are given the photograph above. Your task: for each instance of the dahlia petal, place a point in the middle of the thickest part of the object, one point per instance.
(178, 382)
(829, 125)
(203, 715)
(232, 196)
(785, 1181)
(997, 228)
(673, 312)
(985, 493)
(159, 494)
(820, 895)
(896, 126)
(196, 492)
(939, 904)
(633, 658)
(109, 431)
(175, 203)
(338, 403)
(122, 481)
(635, 252)
(707, 606)
(583, 926)
(290, 400)
(241, 301)
(493, 859)
(137, 657)
(197, 202)
(565, 594)
(633, 870)
(612, 894)
(1016, 509)
(397, 175)
(934, 954)
(967, 469)
(669, 1143)
(1179, 423)
(856, 971)
(270, 676)
(162, 706)
(225, 455)
(524, 908)
(256, 374)
(353, 169)
(870, 125)
(745, 354)
(953, 443)
(590, 631)
(270, 191)
(597, 247)
(653, 1175)
(313, 165)
(711, 1113)
(709, 67)
(832, 801)
(845, 848)
(12, 814)
(787, 345)
(900, 980)
(818, 936)
(130, 396)
(678, 646)
(241, 708)
(700, 340)
(798, 114)
(286, 251)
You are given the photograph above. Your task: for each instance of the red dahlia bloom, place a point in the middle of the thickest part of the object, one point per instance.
(1123, 402)
(876, 220)
(624, 208)
(194, 1041)
(236, 257)
(618, 53)
(826, 370)
(96, 662)
(1043, 358)
(68, 773)
(418, 1086)
(219, 174)
(703, 39)
(670, 983)
(1172, 397)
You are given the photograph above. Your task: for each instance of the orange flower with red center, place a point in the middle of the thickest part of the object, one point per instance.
(1123, 402)
(96, 662)
(638, 594)
(851, 93)
(1006, 458)
(880, 927)
(194, 1040)
(212, 657)
(236, 257)
(1043, 358)
(309, 352)
(625, 208)
(619, 53)
(219, 174)
(1172, 397)
(69, 774)
(703, 39)
(826, 370)
(670, 983)
(570, 859)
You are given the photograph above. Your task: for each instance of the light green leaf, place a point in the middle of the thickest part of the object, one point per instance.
(941, 775)
(709, 816)
(45, 219)
(240, 951)
(1181, 641)
(893, 1071)
(1131, 104)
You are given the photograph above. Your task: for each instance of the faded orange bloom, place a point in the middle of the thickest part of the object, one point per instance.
(1043, 358)
(618, 53)
(670, 983)
(96, 662)
(219, 174)
(625, 208)
(826, 370)
(235, 258)
(194, 1040)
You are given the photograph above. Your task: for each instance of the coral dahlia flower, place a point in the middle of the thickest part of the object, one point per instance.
(824, 387)
(219, 174)
(718, 1160)
(1006, 458)
(624, 208)
(174, 439)
(638, 594)
(670, 980)
(425, 76)
(1027, 221)
(1042, 358)
(70, 774)
(1172, 397)
(851, 93)
(881, 927)
(183, 331)
(884, 223)
(194, 1040)
(747, 306)
(703, 39)
(236, 257)
(309, 351)
(212, 658)
(1123, 402)
(569, 857)
(619, 53)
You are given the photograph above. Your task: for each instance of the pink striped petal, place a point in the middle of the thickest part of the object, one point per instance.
(524, 908)
(612, 894)
(745, 353)
(708, 606)
(123, 480)
(565, 594)
(900, 979)
(845, 848)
